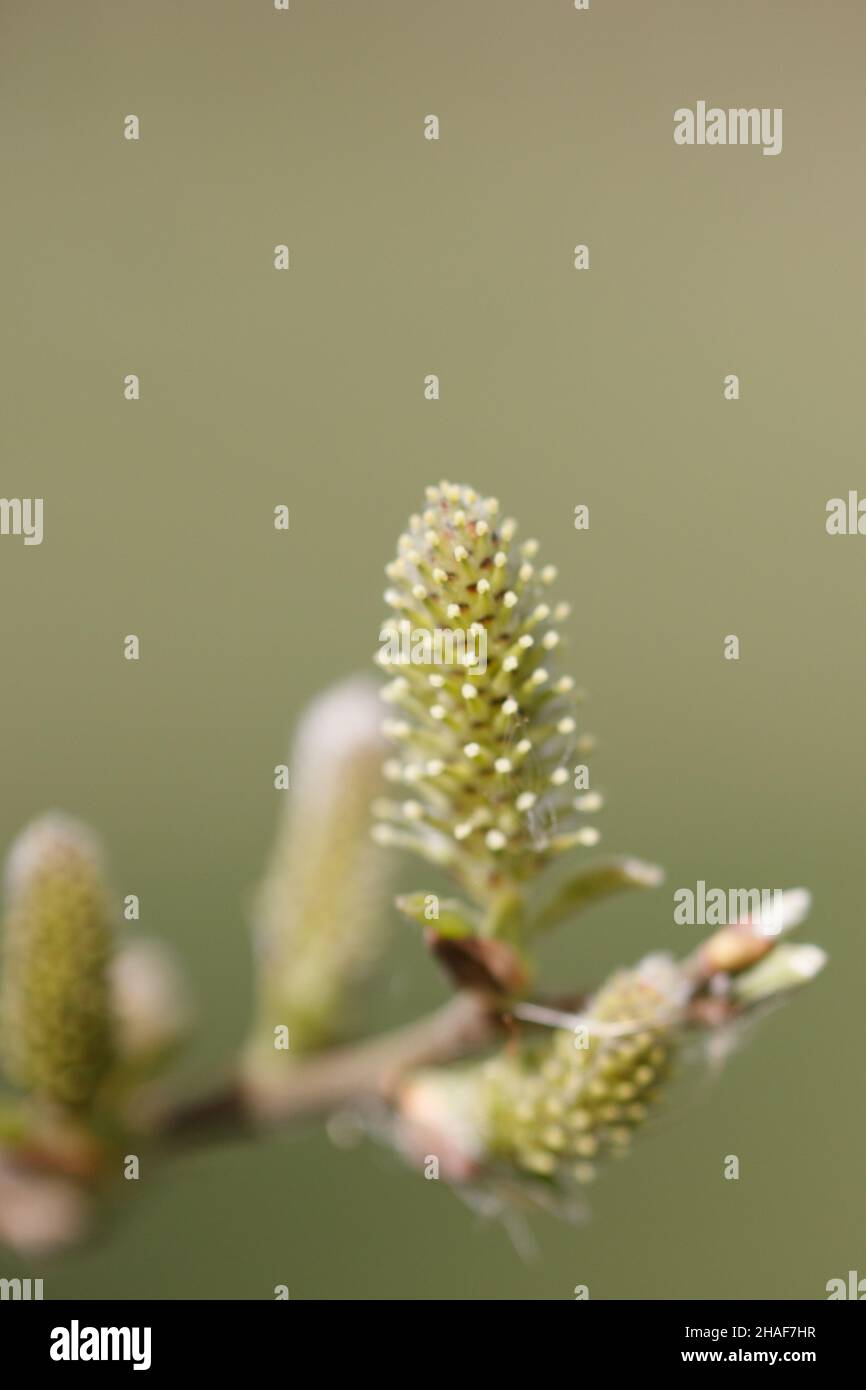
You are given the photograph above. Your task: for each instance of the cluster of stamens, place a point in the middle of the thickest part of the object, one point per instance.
(486, 742)
(556, 1109)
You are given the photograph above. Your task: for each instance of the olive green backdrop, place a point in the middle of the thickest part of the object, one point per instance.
(604, 387)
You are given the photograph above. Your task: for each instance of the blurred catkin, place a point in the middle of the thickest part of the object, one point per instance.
(557, 1105)
(485, 755)
(55, 1011)
(151, 1007)
(319, 916)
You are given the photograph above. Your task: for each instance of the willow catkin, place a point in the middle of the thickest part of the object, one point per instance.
(484, 730)
(55, 1011)
(564, 1100)
(150, 1004)
(560, 1106)
(319, 913)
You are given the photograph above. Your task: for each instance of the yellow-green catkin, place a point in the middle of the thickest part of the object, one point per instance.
(556, 1108)
(319, 915)
(55, 1009)
(484, 758)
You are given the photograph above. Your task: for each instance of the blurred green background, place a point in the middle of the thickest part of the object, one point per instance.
(558, 387)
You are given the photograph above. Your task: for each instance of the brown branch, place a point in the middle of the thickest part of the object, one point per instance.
(367, 1072)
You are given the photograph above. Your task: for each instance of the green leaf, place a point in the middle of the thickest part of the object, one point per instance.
(595, 883)
(449, 917)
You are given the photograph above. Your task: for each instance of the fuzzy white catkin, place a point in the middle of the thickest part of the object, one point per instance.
(319, 912)
(150, 1004)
